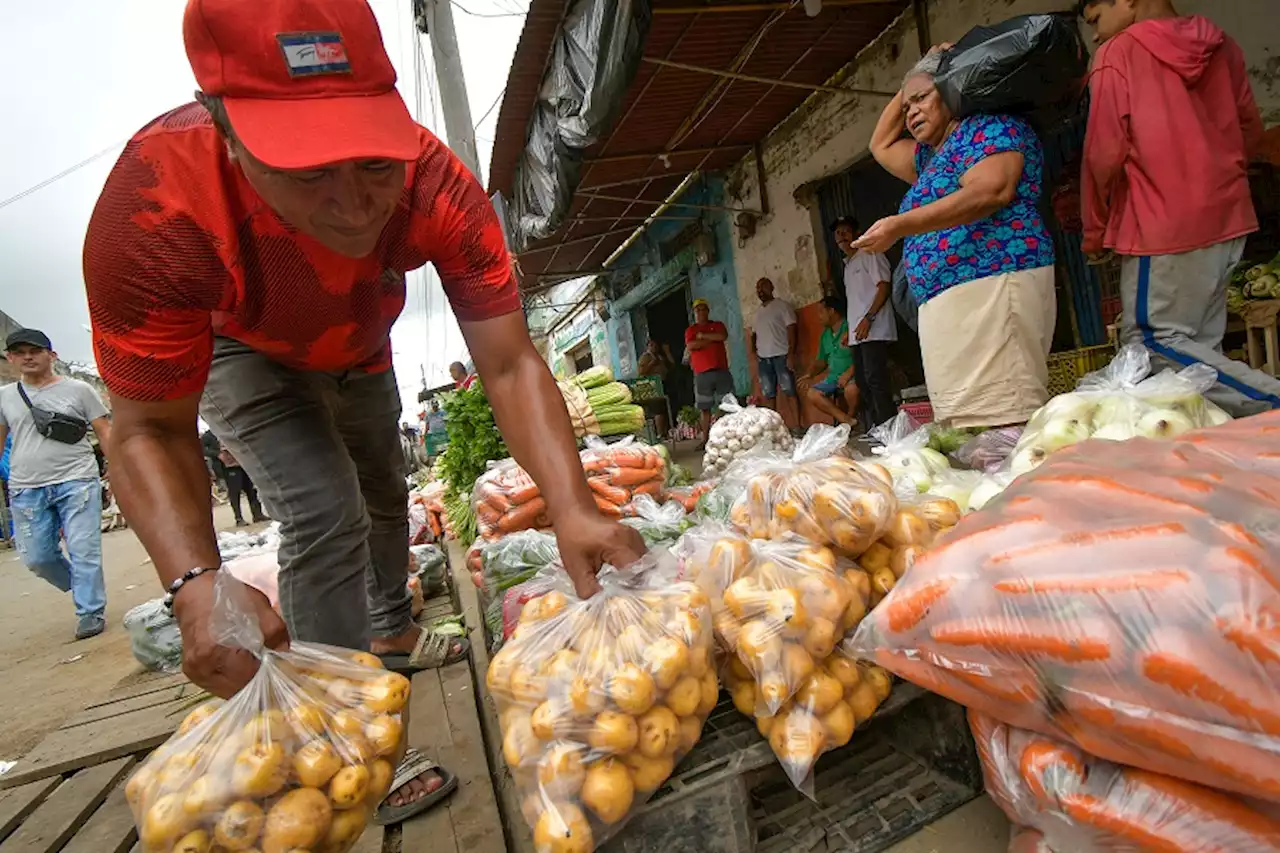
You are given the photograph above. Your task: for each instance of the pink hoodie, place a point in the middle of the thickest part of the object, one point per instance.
(1172, 126)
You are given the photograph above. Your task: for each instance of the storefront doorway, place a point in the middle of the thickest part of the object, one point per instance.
(580, 357)
(666, 319)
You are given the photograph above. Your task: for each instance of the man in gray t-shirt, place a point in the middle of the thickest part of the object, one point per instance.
(53, 484)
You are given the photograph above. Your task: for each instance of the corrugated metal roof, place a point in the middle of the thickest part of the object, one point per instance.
(703, 122)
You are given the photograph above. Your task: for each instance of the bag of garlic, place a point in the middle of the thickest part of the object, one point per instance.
(741, 430)
(599, 699)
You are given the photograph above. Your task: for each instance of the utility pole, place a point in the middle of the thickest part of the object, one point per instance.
(435, 18)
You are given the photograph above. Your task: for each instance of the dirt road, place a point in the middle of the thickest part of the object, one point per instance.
(47, 674)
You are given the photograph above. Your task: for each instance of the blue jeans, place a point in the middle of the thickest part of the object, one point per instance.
(775, 376)
(73, 508)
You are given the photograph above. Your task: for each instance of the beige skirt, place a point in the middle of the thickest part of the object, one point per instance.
(985, 345)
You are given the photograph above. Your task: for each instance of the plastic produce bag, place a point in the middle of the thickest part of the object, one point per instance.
(903, 448)
(599, 699)
(657, 523)
(1124, 597)
(829, 500)
(742, 430)
(990, 449)
(430, 566)
(1081, 804)
(297, 760)
(688, 495)
(1027, 64)
(780, 609)
(154, 636)
(260, 570)
(1119, 402)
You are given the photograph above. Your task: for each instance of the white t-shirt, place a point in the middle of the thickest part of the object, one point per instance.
(771, 328)
(862, 273)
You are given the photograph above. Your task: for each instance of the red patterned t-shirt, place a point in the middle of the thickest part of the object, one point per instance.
(180, 249)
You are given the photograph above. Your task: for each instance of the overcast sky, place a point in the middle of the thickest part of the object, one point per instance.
(83, 75)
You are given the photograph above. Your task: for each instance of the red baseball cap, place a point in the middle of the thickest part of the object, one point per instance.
(304, 82)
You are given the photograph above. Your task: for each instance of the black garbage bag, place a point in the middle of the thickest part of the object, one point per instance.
(1032, 64)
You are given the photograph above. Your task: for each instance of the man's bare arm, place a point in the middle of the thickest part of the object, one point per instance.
(101, 428)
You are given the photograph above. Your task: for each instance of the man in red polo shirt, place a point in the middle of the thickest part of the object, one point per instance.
(245, 263)
(709, 360)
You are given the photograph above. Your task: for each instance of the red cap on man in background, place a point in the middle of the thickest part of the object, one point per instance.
(304, 82)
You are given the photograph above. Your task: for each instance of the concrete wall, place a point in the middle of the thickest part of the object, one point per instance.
(828, 134)
(716, 282)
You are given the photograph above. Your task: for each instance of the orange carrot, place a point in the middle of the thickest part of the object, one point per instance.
(523, 494)
(1153, 580)
(632, 476)
(1121, 490)
(608, 491)
(652, 488)
(1195, 674)
(1252, 638)
(1050, 769)
(1080, 642)
(610, 509)
(522, 517)
(905, 611)
(485, 510)
(1081, 539)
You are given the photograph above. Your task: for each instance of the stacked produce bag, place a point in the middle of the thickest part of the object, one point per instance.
(1123, 597)
(741, 431)
(299, 759)
(1070, 802)
(506, 499)
(1252, 282)
(598, 405)
(599, 699)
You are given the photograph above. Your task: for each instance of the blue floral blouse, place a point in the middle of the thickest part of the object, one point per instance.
(1009, 240)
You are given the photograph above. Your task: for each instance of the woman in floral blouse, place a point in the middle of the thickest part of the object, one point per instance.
(978, 258)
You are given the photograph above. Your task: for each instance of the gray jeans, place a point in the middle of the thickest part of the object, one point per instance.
(324, 452)
(1176, 305)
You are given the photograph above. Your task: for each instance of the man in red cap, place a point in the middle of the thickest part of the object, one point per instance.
(245, 263)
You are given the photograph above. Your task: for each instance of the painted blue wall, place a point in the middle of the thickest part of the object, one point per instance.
(716, 283)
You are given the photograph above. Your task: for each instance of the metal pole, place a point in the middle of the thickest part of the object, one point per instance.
(460, 133)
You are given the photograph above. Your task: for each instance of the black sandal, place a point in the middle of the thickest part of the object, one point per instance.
(432, 652)
(414, 765)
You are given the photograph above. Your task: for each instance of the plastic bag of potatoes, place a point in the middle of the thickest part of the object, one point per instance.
(915, 527)
(781, 608)
(599, 699)
(827, 498)
(299, 759)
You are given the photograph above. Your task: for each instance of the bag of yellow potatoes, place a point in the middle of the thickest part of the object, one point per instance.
(781, 609)
(915, 527)
(299, 759)
(817, 493)
(599, 699)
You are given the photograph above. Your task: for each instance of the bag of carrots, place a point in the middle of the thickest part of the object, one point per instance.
(1081, 804)
(830, 500)
(688, 495)
(780, 608)
(599, 699)
(507, 500)
(1124, 596)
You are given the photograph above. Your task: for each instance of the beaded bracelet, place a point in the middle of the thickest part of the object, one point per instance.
(191, 575)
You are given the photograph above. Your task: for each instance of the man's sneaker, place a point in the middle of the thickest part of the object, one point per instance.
(240, 522)
(90, 626)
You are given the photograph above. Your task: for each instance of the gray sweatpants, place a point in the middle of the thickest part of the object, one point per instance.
(1176, 305)
(324, 452)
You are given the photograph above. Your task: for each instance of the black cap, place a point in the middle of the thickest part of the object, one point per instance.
(31, 337)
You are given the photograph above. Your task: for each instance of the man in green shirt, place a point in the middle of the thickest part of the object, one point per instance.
(836, 358)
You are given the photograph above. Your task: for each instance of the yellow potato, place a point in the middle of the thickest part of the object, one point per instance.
(883, 581)
(839, 723)
(798, 738)
(760, 646)
(354, 749)
(386, 694)
(164, 823)
(844, 670)
(854, 613)
(560, 772)
(797, 665)
(727, 628)
(196, 841)
(586, 697)
(343, 693)
(904, 558)
(178, 771)
(786, 611)
(519, 744)
(297, 821)
(260, 770)
(383, 734)
(823, 595)
(648, 774)
(907, 528)
(239, 826)
(347, 723)
(738, 670)
(685, 697)
(199, 715)
(349, 786)
(528, 687)
(659, 733)
(614, 732)
(381, 775)
(744, 697)
(940, 512)
(608, 790)
(820, 639)
(877, 556)
(862, 699)
(699, 660)
(563, 828)
(501, 667)
(745, 598)
(307, 721)
(367, 660)
(881, 682)
(315, 763)
(205, 796)
(710, 693)
(820, 693)
(344, 830)
(690, 732)
(140, 786)
(562, 666)
(632, 689)
(773, 689)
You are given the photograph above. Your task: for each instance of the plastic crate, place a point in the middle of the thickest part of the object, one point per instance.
(921, 412)
(1110, 310)
(1066, 369)
(911, 764)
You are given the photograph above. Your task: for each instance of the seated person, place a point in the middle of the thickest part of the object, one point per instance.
(835, 357)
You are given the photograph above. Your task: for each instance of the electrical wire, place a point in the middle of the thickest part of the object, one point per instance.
(467, 11)
(64, 173)
(492, 107)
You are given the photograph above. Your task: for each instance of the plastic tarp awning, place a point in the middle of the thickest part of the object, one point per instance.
(596, 55)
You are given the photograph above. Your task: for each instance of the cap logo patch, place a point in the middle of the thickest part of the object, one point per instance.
(308, 54)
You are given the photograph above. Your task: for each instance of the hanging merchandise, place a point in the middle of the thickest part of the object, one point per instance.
(1029, 64)
(1124, 597)
(742, 430)
(599, 699)
(1075, 803)
(598, 405)
(299, 759)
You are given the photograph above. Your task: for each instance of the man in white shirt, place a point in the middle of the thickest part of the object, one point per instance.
(872, 327)
(774, 340)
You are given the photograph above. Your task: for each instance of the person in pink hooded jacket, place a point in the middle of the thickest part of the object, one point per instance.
(1172, 128)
